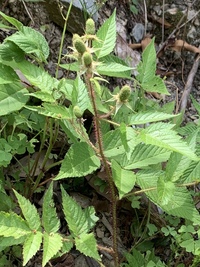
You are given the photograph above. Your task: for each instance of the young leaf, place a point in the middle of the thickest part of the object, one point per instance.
(196, 104)
(165, 190)
(146, 117)
(29, 211)
(50, 219)
(86, 244)
(162, 135)
(31, 246)
(114, 70)
(80, 160)
(51, 245)
(107, 36)
(12, 21)
(144, 155)
(12, 98)
(79, 221)
(13, 225)
(31, 42)
(123, 179)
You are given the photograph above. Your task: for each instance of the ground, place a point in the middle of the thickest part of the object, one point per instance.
(175, 65)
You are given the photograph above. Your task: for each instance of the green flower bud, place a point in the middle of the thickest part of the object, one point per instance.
(90, 27)
(77, 112)
(124, 93)
(87, 59)
(76, 36)
(79, 45)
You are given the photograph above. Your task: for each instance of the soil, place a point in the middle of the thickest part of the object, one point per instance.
(175, 65)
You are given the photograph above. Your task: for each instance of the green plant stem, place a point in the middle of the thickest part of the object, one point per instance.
(62, 38)
(106, 166)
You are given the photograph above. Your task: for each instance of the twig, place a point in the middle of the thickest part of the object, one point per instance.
(29, 14)
(188, 85)
(145, 18)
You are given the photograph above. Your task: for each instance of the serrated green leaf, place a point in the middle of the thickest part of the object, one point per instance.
(31, 42)
(52, 243)
(29, 211)
(192, 173)
(71, 66)
(31, 246)
(37, 76)
(180, 204)
(86, 244)
(12, 21)
(50, 219)
(80, 96)
(10, 241)
(79, 221)
(8, 75)
(165, 190)
(196, 104)
(123, 179)
(162, 135)
(80, 160)
(44, 96)
(145, 155)
(11, 54)
(107, 36)
(146, 117)
(52, 110)
(114, 70)
(13, 225)
(12, 98)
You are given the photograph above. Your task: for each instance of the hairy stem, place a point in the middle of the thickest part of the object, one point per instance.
(106, 166)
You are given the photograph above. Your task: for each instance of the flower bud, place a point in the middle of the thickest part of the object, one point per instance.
(87, 59)
(79, 45)
(77, 112)
(90, 27)
(124, 93)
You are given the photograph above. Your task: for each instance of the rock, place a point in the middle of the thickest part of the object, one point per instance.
(78, 15)
(138, 32)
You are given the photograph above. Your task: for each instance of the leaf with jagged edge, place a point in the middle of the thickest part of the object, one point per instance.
(79, 160)
(50, 220)
(107, 37)
(113, 69)
(192, 173)
(87, 244)
(31, 42)
(80, 96)
(161, 134)
(123, 179)
(180, 203)
(8, 75)
(144, 155)
(10, 241)
(178, 163)
(146, 117)
(13, 225)
(79, 221)
(12, 98)
(12, 21)
(31, 246)
(196, 104)
(29, 211)
(165, 190)
(52, 243)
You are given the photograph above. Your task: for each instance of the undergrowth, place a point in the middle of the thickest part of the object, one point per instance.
(137, 142)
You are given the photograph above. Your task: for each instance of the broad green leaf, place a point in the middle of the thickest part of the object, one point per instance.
(12, 21)
(165, 190)
(161, 134)
(12, 98)
(79, 221)
(179, 163)
(180, 204)
(38, 77)
(31, 246)
(52, 243)
(114, 70)
(146, 117)
(192, 173)
(52, 110)
(196, 104)
(145, 155)
(44, 96)
(29, 211)
(31, 42)
(5, 158)
(71, 66)
(13, 225)
(80, 160)
(80, 96)
(86, 244)
(123, 179)
(8, 75)
(107, 37)
(146, 71)
(123, 134)
(6, 242)
(50, 220)
(11, 54)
